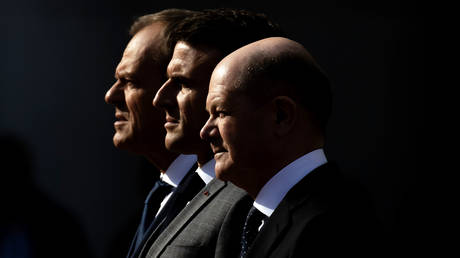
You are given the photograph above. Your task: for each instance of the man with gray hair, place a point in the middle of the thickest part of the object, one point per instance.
(139, 126)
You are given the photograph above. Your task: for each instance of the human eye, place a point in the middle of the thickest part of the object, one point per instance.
(127, 81)
(133, 84)
(221, 113)
(184, 87)
(180, 84)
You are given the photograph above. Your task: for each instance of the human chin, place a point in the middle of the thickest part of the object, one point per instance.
(123, 136)
(220, 172)
(121, 141)
(221, 157)
(223, 166)
(173, 139)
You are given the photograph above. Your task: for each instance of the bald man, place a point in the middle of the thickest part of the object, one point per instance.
(269, 103)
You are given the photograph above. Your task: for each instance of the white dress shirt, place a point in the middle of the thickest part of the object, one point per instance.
(276, 188)
(175, 173)
(206, 172)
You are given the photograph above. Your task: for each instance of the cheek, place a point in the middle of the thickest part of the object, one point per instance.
(140, 110)
(231, 139)
(192, 109)
(242, 141)
(184, 105)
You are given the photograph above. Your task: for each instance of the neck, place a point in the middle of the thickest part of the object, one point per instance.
(203, 158)
(162, 159)
(255, 184)
(256, 178)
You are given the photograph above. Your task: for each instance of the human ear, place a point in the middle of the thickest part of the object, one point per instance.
(285, 111)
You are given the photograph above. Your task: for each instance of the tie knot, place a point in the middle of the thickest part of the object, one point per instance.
(158, 192)
(163, 184)
(255, 217)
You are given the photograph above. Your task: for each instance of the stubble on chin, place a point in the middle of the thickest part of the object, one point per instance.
(123, 137)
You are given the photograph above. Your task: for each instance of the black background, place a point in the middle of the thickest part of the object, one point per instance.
(59, 57)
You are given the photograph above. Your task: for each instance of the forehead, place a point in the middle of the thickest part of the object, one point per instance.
(225, 79)
(144, 47)
(192, 62)
(223, 94)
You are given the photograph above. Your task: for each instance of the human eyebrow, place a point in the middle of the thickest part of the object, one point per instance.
(211, 108)
(119, 75)
(217, 106)
(126, 76)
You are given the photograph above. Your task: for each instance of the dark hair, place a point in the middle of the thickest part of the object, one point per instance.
(224, 29)
(170, 18)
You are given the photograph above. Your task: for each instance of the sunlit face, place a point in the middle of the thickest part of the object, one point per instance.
(139, 126)
(237, 129)
(183, 96)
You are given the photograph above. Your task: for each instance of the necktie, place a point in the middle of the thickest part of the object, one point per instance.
(186, 190)
(151, 205)
(250, 229)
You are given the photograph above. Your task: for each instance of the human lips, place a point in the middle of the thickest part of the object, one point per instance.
(121, 118)
(218, 151)
(170, 122)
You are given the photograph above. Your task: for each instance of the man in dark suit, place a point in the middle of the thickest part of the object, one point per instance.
(269, 103)
(139, 127)
(206, 227)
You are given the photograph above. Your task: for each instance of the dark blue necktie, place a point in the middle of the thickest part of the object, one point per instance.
(151, 205)
(250, 229)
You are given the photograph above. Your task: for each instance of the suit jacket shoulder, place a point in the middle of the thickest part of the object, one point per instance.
(204, 227)
(322, 215)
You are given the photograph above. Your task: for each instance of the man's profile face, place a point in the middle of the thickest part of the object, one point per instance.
(139, 75)
(183, 96)
(237, 129)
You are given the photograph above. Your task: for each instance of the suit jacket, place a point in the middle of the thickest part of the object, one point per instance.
(184, 192)
(321, 216)
(209, 226)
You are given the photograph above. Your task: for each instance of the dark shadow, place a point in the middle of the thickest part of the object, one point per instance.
(31, 225)
(119, 245)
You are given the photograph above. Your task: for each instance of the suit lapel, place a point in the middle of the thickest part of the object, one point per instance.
(273, 230)
(134, 248)
(188, 185)
(131, 247)
(184, 217)
(188, 188)
(177, 202)
(284, 215)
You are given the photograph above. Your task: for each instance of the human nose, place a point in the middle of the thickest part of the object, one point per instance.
(114, 94)
(163, 95)
(209, 129)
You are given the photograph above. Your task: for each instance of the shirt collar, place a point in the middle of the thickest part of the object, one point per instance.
(276, 188)
(178, 169)
(206, 172)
